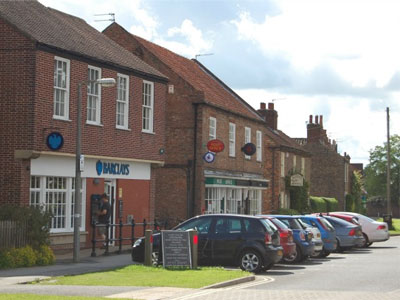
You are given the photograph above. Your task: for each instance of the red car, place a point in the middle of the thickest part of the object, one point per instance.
(286, 235)
(348, 218)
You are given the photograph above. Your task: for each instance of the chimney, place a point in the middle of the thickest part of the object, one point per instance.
(270, 115)
(315, 132)
(320, 121)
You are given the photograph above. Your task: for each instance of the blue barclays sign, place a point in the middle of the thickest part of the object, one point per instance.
(112, 168)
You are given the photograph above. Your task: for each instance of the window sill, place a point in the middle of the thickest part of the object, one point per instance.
(60, 119)
(148, 132)
(95, 124)
(124, 129)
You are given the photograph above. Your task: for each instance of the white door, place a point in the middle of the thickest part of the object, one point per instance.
(110, 190)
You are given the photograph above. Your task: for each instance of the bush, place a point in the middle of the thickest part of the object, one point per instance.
(318, 204)
(288, 211)
(331, 204)
(26, 257)
(350, 203)
(44, 256)
(37, 219)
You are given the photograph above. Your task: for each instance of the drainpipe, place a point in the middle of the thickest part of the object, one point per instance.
(273, 179)
(191, 203)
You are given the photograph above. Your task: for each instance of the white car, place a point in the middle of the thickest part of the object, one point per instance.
(373, 231)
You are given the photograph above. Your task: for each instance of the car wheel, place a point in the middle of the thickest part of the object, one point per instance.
(366, 241)
(296, 257)
(250, 261)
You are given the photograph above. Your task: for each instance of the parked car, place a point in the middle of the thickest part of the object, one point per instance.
(328, 233)
(348, 218)
(302, 238)
(286, 236)
(245, 241)
(316, 238)
(373, 231)
(348, 235)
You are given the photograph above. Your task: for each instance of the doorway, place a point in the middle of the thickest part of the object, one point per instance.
(110, 190)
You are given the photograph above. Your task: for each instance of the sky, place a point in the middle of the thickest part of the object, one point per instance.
(336, 58)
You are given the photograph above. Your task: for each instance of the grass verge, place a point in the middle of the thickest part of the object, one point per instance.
(138, 275)
(396, 225)
(47, 297)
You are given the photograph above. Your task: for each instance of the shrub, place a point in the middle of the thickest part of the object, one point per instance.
(26, 257)
(331, 204)
(318, 204)
(44, 256)
(350, 203)
(288, 211)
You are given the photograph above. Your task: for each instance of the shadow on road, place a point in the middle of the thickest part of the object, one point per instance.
(377, 247)
(287, 267)
(274, 272)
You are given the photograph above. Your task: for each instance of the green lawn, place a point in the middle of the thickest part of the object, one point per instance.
(396, 225)
(47, 297)
(138, 275)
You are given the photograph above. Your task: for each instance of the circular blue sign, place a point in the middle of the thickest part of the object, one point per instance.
(55, 141)
(209, 157)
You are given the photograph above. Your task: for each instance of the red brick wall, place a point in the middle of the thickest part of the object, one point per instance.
(17, 61)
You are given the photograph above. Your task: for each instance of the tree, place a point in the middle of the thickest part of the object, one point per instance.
(357, 185)
(375, 172)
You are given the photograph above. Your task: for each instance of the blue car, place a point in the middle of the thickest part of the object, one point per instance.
(348, 235)
(328, 233)
(302, 238)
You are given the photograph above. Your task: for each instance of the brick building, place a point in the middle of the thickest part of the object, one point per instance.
(45, 54)
(287, 158)
(200, 108)
(330, 171)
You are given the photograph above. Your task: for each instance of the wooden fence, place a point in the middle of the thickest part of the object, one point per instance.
(13, 234)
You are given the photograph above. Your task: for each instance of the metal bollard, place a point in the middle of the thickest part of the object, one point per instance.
(148, 248)
(93, 254)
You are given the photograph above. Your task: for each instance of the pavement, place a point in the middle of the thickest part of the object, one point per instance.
(14, 280)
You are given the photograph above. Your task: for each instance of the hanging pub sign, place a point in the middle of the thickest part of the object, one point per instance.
(296, 180)
(215, 146)
(209, 157)
(249, 149)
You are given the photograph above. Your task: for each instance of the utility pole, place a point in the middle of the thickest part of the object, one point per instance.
(389, 206)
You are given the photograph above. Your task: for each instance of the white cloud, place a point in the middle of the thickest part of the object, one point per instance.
(314, 31)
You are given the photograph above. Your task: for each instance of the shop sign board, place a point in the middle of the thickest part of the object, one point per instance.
(176, 248)
(296, 180)
(220, 181)
(215, 146)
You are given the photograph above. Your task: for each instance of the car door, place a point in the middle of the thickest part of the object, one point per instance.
(203, 227)
(226, 238)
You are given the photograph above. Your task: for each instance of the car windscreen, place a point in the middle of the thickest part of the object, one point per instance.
(291, 223)
(280, 224)
(327, 224)
(202, 225)
(267, 226)
(304, 224)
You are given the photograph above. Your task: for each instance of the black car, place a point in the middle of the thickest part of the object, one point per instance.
(252, 243)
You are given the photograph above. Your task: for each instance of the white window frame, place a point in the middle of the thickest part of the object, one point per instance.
(282, 164)
(147, 107)
(294, 162)
(58, 88)
(259, 145)
(92, 86)
(38, 194)
(232, 139)
(212, 132)
(247, 139)
(122, 101)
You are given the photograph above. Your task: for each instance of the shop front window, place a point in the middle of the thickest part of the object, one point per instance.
(56, 195)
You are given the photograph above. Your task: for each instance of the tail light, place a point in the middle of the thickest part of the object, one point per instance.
(284, 234)
(352, 232)
(381, 227)
(302, 237)
(268, 239)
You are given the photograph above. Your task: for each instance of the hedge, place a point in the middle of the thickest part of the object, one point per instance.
(318, 204)
(331, 204)
(26, 257)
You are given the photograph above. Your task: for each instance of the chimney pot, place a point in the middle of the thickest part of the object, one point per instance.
(310, 121)
(262, 105)
(316, 119)
(320, 120)
(271, 106)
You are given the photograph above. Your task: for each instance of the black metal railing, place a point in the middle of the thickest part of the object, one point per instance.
(120, 239)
